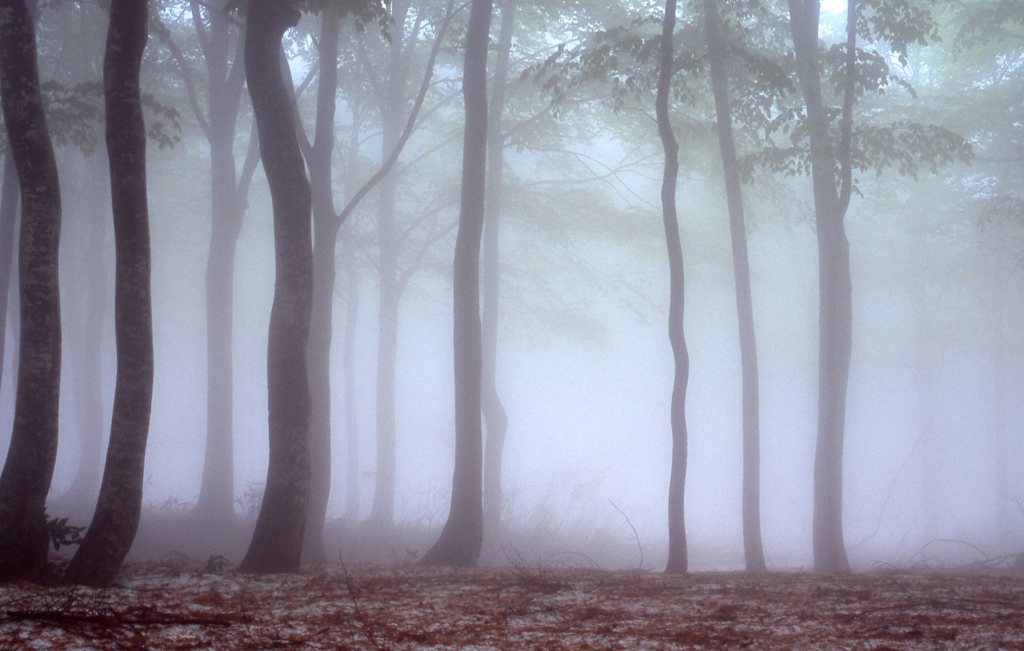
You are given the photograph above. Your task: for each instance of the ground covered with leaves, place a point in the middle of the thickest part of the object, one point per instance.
(180, 606)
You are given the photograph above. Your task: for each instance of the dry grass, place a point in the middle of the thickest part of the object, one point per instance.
(179, 607)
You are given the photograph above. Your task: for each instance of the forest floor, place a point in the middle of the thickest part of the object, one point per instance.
(178, 606)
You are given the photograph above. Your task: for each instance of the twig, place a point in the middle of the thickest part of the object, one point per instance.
(636, 535)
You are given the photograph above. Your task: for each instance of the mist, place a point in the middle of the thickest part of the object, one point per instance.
(932, 444)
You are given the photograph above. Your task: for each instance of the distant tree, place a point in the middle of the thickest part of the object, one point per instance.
(8, 220)
(277, 541)
(114, 524)
(217, 34)
(717, 53)
(494, 412)
(28, 469)
(677, 557)
(462, 536)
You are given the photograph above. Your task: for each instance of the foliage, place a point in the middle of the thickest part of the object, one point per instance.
(63, 534)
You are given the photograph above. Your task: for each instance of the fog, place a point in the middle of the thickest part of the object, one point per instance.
(933, 439)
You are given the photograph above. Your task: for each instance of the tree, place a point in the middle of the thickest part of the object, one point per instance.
(462, 536)
(677, 480)
(28, 469)
(8, 220)
(493, 410)
(752, 547)
(835, 292)
(228, 190)
(276, 544)
(113, 528)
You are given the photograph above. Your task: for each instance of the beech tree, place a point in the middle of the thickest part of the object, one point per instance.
(276, 544)
(717, 52)
(28, 468)
(118, 509)
(677, 557)
(461, 538)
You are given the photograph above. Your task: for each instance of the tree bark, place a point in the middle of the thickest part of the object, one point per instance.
(116, 520)
(752, 548)
(834, 294)
(494, 412)
(352, 493)
(677, 560)
(277, 541)
(325, 225)
(215, 505)
(27, 472)
(462, 536)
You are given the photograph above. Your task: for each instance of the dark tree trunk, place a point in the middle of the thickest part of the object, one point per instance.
(113, 527)
(834, 293)
(28, 469)
(215, 505)
(8, 219)
(752, 547)
(495, 415)
(677, 478)
(277, 541)
(462, 536)
(382, 512)
(325, 225)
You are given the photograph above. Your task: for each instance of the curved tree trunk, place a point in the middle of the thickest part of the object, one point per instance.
(495, 415)
(834, 292)
(752, 547)
(114, 525)
(462, 536)
(325, 225)
(677, 478)
(28, 469)
(277, 541)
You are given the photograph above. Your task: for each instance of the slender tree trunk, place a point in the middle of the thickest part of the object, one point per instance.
(215, 505)
(925, 361)
(752, 547)
(277, 541)
(495, 415)
(462, 537)
(8, 219)
(677, 479)
(88, 391)
(1000, 379)
(835, 299)
(382, 513)
(27, 472)
(325, 225)
(352, 496)
(113, 527)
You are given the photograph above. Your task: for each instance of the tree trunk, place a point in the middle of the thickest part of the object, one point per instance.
(382, 513)
(834, 295)
(277, 541)
(215, 505)
(677, 479)
(494, 411)
(752, 547)
(462, 536)
(120, 501)
(352, 496)
(81, 497)
(8, 219)
(28, 469)
(325, 224)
